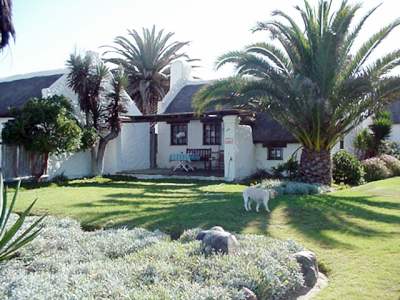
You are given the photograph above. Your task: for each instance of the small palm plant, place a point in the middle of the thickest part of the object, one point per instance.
(10, 240)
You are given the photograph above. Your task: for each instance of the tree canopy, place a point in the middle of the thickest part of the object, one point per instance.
(310, 76)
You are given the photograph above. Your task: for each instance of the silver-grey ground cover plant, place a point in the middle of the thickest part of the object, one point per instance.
(65, 262)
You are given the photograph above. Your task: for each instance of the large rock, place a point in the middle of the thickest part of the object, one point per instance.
(249, 294)
(217, 240)
(309, 267)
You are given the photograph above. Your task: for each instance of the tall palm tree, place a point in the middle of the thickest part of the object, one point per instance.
(146, 59)
(313, 81)
(6, 24)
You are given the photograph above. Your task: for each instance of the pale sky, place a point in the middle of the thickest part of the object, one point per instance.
(49, 30)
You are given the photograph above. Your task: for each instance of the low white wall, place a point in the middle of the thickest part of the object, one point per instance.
(129, 151)
(195, 140)
(71, 165)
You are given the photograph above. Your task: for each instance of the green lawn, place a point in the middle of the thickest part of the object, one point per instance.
(355, 232)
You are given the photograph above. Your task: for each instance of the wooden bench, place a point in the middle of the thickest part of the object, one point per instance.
(201, 155)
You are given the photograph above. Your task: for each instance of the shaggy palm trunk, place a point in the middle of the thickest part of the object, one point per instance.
(316, 166)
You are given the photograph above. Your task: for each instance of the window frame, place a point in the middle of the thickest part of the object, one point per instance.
(174, 141)
(341, 144)
(216, 129)
(272, 153)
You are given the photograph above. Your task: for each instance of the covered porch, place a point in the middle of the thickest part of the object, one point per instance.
(194, 146)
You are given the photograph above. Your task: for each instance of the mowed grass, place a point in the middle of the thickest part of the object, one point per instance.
(355, 232)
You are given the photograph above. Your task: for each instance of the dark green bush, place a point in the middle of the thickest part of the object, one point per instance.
(289, 169)
(347, 168)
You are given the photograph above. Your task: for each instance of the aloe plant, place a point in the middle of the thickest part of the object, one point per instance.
(11, 239)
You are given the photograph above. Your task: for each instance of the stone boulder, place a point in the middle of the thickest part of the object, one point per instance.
(249, 294)
(309, 267)
(217, 240)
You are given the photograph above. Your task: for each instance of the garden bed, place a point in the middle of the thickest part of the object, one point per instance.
(65, 262)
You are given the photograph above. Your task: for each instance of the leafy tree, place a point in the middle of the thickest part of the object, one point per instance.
(146, 59)
(6, 24)
(314, 81)
(44, 126)
(88, 78)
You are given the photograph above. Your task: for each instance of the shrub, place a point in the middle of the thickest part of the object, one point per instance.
(66, 263)
(392, 163)
(284, 187)
(347, 168)
(375, 169)
(289, 169)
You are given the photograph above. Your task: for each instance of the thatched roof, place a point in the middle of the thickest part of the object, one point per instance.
(269, 132)
(182, 103)
(266, 130)
(14, 94)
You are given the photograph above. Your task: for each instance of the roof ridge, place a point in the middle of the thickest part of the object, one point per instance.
(33, 74)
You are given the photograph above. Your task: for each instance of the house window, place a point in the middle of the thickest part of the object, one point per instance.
(179, 134)
(275, 153)
(212, 134)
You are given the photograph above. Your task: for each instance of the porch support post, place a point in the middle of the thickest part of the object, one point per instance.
(230, 147)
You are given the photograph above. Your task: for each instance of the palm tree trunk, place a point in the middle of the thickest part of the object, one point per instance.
(93, 157)
(102, 149)
(316, 166)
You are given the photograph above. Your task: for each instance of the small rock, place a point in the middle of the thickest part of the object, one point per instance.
(217, 240)
(309, 267)
(249, 294)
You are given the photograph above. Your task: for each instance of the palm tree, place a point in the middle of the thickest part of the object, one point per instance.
(6, 23)
(314, 82)
(146, 59)
(87, 78)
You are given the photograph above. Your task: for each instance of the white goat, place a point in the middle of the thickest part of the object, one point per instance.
(258, 195)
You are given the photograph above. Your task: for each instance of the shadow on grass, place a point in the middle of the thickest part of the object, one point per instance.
(173, 206)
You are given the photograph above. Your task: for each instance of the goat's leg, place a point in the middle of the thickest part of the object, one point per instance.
(266, 205)
(246, 202)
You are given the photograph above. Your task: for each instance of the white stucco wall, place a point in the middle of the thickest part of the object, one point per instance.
(261, 156)
(72, 165)
(134, 147)
(239, 151)
(195, 140)
(129, 151)
(395, 135)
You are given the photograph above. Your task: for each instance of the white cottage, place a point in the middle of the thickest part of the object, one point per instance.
(128, 151)
(228, 144)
